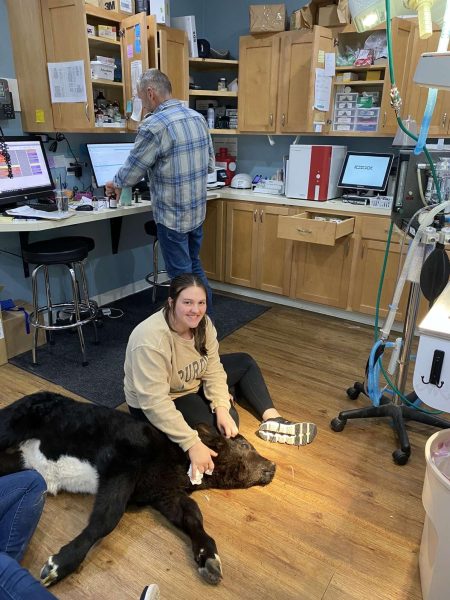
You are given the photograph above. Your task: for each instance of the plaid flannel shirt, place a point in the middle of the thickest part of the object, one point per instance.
(174, 148)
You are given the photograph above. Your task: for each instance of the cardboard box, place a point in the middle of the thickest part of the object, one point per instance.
(107, 31)
(92, 2)
(15, 330)
(161, 10)
(310, 13)
(328, 16)
(123, 7)
(267, 17)
(91, 29)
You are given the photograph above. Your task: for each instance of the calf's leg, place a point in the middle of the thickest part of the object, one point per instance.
(110, 504)
(184, 512)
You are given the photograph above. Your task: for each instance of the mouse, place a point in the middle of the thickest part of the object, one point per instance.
(84, 207)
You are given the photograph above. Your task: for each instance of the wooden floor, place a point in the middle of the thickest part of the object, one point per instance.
(340, 521)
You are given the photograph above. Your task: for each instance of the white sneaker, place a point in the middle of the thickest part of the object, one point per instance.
(150, 592)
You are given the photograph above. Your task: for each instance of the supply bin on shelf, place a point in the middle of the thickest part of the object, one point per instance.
(434, 554)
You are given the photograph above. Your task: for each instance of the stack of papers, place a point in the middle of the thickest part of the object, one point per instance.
(31, 213)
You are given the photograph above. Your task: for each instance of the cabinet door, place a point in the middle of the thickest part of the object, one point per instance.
(402, 41)
(416, 97)
(274, 253)
(30, 61)
(367, 278)
(322, 273)
(174, 60)
(66, 40)
(211, 253)
(241, 245)
(300, 52)
(258, 82)
(132, 52)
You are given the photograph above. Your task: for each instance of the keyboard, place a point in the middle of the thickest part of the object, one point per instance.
(47, 206)
(355, 199)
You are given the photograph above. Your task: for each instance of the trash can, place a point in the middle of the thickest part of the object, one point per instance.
(434, 556)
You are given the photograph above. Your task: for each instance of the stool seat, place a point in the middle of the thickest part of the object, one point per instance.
(151, 228)
(56, 251)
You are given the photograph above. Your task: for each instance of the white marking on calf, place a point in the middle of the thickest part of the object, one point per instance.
(67, 473)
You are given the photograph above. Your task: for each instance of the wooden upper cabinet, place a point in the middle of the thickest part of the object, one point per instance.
(402, 46)
(66, 40)
(416, 97)
(174, 60)
(30, 64)
(259, 59)
(301, 52)
(276, 80)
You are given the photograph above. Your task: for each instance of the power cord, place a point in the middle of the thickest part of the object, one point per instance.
(75, 167)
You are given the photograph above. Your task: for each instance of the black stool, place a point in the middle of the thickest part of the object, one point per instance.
(153, 278)
(69, 252)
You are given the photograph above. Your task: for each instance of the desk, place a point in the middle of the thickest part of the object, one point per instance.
(114, 215)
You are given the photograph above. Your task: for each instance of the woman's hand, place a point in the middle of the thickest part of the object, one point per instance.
(201, 458)
(225, 422)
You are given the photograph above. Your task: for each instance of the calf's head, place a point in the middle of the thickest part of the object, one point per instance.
(238, 464)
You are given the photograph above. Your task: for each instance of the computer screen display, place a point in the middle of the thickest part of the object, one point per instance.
(365, 171)
(106, 160)
(31, 173)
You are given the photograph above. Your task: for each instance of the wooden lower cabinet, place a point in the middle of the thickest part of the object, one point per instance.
(254, 256)
(367, 278)
(211, 254)
(322, 273)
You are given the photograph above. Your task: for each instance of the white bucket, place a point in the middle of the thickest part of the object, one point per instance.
(434, 557)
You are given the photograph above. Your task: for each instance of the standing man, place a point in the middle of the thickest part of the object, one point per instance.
(174, 148)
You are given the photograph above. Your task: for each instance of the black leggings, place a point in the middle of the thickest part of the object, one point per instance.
(246, 383)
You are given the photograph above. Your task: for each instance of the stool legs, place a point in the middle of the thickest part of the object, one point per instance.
(153, 278)
(79, 305)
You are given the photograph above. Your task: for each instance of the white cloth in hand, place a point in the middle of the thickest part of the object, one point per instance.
(198, 477)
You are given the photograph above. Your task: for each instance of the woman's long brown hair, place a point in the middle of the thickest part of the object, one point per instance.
(177, 285)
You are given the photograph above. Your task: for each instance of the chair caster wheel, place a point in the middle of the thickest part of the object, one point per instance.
(400, 457)
(352, 393)
(338, 424)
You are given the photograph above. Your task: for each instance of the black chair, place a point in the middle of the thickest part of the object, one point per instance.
(71, 253)
(153, 277)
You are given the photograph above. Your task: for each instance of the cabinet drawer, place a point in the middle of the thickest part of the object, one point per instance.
(374, 228)
(305, 228)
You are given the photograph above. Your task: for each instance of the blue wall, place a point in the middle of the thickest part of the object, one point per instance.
(221, 24)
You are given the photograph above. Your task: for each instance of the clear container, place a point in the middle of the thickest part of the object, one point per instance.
(222, 84)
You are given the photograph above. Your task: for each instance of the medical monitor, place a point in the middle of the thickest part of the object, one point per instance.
(365, 171)
(31, 174)
(106, 160)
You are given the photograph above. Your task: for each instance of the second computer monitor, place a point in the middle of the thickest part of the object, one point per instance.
(365, 171)
(106, 160)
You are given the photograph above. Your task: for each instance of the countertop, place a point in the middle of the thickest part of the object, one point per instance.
(330, 205)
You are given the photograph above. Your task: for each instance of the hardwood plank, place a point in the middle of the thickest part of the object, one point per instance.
(340, 520)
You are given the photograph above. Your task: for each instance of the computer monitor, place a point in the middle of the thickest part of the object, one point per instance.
(31, 174)
(365, 171)
(106, 160)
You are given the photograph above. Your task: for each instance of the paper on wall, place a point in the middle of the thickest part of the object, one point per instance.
(322, 91)
(67, 83)
(13, 88)
(137, 109)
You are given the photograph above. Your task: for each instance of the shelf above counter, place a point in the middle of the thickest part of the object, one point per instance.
(213, 64)
(217, 93)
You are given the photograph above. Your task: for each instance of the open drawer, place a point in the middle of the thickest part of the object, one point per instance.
(314, 228)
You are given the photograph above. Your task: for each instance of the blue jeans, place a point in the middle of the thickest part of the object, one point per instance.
(181, 253)
(22, 497)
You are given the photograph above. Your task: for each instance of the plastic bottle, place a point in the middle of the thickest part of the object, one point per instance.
(211, 116)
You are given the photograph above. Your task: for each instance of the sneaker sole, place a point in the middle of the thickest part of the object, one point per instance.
(287, 429)
(305, 436)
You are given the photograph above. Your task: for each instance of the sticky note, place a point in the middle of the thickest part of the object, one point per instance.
(40, 116)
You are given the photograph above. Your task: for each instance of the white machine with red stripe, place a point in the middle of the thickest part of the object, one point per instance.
(313, 171)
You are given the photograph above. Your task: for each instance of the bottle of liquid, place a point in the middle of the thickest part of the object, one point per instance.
(112, 201)
(211, 116)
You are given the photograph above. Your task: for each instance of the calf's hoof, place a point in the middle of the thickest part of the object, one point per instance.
(211, 571)
(49, 572)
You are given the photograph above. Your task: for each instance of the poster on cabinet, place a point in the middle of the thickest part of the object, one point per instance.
(67, 83)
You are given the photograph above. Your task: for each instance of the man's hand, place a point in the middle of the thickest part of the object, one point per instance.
(201, 458)
(111, 189)
(225, 422)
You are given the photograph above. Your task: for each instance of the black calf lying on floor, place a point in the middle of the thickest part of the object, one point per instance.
(80, 447)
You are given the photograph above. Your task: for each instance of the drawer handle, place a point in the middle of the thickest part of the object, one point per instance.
(304, 230)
